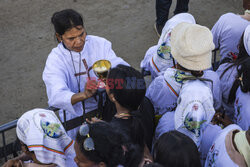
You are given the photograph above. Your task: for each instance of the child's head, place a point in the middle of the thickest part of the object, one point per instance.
(98, 145)
(176, 150)
(126, 86)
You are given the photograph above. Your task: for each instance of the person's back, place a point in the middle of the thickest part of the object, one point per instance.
(228, 30)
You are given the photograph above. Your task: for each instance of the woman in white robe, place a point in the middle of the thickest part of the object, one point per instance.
(68, 66)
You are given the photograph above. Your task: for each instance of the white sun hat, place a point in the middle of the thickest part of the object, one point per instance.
(192, 45)
(44, 134)
(194, 109)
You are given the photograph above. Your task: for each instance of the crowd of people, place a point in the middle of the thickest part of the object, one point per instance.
(191, 115)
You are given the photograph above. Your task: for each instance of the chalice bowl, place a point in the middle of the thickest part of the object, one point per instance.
(101, 69)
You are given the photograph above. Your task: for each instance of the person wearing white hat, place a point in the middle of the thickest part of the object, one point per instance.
(158, 57)
(230, 148)
(228, 30)
(229, 75)
(44, 140)
(191, 47)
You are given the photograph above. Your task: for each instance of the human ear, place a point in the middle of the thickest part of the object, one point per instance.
(58, 37)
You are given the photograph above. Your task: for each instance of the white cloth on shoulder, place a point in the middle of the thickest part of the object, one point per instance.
(194, 110)
(44, 134)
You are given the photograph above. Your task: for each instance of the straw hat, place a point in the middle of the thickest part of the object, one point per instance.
(192, 45)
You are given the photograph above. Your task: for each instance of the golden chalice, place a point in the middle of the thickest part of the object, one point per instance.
(101, 69)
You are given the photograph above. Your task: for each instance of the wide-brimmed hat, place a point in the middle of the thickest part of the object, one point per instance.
(192, 45)
(44, 134)
(194, 110)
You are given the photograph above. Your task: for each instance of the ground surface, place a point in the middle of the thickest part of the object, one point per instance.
(26, 38)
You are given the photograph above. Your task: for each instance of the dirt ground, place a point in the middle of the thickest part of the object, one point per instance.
(27, 37)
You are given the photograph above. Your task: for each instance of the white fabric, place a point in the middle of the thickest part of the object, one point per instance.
(44, 134)
(246, 39)
(227, 32)
(146, 62)
(242, 109)
(61, 84)
(243, 145)
(192, 45)
(166, 124)
(157, 58)
(163, 98)
(194, 110)
(209, 135)
(171, 23)
(217, 155)
(226, 82)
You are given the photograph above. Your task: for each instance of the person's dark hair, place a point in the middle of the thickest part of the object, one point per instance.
(243, 80)
(152, 165)
(129, 93)
(176, 150)
(65, 20)
(243, 58)
(107, 142)
(194, 73)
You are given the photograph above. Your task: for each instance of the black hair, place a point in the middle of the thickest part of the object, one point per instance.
(242, 63)
(107, 142)
(243, 80)
(129, 94)
(65, 20)
(194, 73)
(152, 165)
(176, 150)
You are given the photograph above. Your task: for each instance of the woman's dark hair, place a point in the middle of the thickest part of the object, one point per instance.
(152, 165)
(107, 142)
(194, 73)
(176, 150)
(242, 63)
(65, 20)
(243, 80)
(129, 88)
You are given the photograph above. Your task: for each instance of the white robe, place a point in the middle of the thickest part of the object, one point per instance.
(163, 95)
(217, 155)
(227, 81)
(242, 109)
(61, 83)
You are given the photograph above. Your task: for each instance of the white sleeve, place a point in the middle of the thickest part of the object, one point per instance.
(55, 79)
(166, 124)
(217, 94)
(145, 63)
(216, 31)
